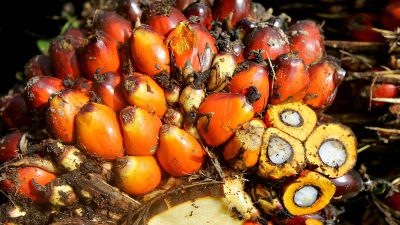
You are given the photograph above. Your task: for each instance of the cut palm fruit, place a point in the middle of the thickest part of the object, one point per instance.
(308, 194)
(295, 118)
(332, 148)
(243, 150)
(281, 155)
(194, 204)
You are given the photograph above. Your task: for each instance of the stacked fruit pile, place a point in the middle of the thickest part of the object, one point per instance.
(167, 105)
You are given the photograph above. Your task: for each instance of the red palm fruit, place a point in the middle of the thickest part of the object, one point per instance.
(220, 115)
(39, 89)
(62, 111)
(98, 131)
(306, 40)
(63, 58)
(108, 87)
(202, 10)
(310, 219)
(360, 26)
(113, 24)
(192, 48)
(162, 17)
(245, 26)
(9, 146)
(325, 77)
(15, 112)
(140, 129)
(23, 180)
(383, 91)
(131, 9)
(271, 41)
(179, 153)
(252, 75)
(99, 53)
(142, 91)
(183, 4)
(76, 36)
(148, 52)
(292, 79)
(83, 85)
(348, 185)
(391, 15)
(231, 11)
(39, 65)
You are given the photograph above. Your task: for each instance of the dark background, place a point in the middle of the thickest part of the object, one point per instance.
(21, 24)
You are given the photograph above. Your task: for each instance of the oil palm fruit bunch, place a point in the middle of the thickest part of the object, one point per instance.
(177, 112)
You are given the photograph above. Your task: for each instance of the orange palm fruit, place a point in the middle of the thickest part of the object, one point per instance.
(98, 131)
(39, 89)
(192, 49)
(83, 85)
(137, 175)
(140, 129)
(242, 151)
(325, 77)
(179, 153)
(22, 182)
(142, 91)
(162, 17)
(292, 79)
(108, 87)
(62, 111)
(252, 74)
(99, 53)
(220, 115)
(113, 24)
(148, 52)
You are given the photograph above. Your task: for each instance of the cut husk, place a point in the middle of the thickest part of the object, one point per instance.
(332, 148)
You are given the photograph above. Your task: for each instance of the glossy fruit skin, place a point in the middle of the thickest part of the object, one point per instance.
(348, 185)
(39, 65)
(62, 111)
(108, 86)
(102, 139)
(140, 130)
(149, 54)
(137, 175)
(142, 91)
(23, 183)
(360, 26)
(99, 53)
(162, 18)
(391, 16)
(393, 201)
(292, 79)
(231, 11)
(325, 77)
(255, 75)
(113, 24)
(63, 58)
(183, 4)
(15, 112)
(307, 41)
(39, 89)
(9, 146)
(131, 10)
(179, 153)
(271, 40)
(383, 91)
(203, 11)
(192, 49)
(220, 115)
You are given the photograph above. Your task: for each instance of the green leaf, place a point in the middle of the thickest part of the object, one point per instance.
(72, 22)
(43, 46)
(19, 76)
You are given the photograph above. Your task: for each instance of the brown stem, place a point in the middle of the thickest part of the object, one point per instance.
(356, 46)
(392, 76)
